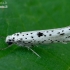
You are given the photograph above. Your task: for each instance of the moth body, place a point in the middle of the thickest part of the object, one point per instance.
(40, 37)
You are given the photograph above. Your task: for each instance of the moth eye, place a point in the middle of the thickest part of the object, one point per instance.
(9, 43)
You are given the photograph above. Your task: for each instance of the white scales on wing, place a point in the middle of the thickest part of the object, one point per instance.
(31, 38)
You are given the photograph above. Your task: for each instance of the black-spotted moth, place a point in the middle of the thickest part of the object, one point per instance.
(30, 38)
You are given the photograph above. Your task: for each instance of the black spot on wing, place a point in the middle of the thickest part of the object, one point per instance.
(52, 30)
(58, 41)
(45, 35)
(50, 34)
(39, 34)
(62, 30)
(26, 34)
(29, 42)
(13, 37)
(31, 36)
(58, 33)
(21, 39)
(44, 40)
(25, 38)
(47, 31)
(62, 33)
(68, 36)
(23, 42)
(17, 34)
(31, 33)
(51, 41)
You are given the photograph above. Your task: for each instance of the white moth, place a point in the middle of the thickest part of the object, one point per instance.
(30, 38)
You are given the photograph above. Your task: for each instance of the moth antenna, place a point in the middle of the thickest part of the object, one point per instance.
(2, 37)
(34, 52)
(5, 48)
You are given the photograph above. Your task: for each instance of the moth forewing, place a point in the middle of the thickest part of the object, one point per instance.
(30, 38)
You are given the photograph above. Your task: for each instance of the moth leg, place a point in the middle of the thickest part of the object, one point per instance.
(33, 51)
(36, 45)
(64, 42)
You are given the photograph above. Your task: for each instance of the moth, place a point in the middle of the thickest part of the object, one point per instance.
(31, 38)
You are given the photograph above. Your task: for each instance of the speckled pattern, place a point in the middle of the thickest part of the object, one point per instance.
(40, 37)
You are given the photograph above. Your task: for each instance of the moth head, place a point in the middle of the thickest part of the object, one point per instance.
(9, 40)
